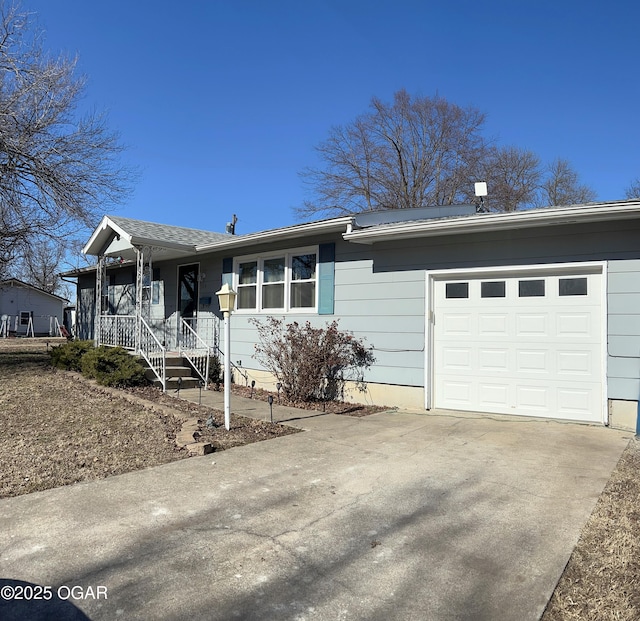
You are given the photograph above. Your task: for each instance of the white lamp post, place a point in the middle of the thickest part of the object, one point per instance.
(227, 300)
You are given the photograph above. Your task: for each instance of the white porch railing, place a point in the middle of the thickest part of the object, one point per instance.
(195, 350)
(207, 328)
(194, 338)
(153, 352)
(117, 331)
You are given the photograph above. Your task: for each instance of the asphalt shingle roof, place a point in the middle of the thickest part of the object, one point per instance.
(167, 233)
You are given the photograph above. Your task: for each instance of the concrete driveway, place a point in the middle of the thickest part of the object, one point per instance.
(394, 516)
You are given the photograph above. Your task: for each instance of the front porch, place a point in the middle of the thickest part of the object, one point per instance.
(195, 340)
(153, 293)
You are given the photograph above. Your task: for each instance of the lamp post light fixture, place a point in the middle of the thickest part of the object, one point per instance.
(227, 300)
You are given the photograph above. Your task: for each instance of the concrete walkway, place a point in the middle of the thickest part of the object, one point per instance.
(397, 515)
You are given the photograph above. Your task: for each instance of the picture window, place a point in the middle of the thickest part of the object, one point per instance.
(282, 282)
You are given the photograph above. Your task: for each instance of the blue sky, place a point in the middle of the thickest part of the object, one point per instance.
(222, 102)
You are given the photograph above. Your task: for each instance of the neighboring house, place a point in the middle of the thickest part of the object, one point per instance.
(533, 313)
(27, 310)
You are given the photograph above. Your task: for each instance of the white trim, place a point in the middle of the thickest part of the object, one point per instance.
(587, 267)
(288, 255)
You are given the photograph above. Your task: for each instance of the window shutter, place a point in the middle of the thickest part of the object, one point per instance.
(227, 271)
(326, 278)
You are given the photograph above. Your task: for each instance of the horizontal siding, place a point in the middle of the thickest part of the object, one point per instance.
(386, 309)
(623, 329)
(624, 346)
(623, 388)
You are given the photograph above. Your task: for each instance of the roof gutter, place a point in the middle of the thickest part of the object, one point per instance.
(496, 221)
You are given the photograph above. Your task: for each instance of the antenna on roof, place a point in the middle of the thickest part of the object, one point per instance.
(231, 226)
(481, 192)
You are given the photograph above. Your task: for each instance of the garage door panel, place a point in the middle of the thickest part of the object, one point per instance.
(493, 325)
(493, 394)
(532, 325)
(533, 399)
(457, 393)
(493, 360)
(536, 350)
(575, 403)
(456, 324)
(575, 363)
(574, 324)
(532, 361)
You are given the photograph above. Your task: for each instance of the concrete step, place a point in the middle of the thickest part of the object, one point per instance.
(172, 383)
(176, 372)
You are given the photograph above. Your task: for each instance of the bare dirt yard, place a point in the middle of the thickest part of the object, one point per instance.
(58, 429)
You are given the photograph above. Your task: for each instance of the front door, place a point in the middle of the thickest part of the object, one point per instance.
(188, 290)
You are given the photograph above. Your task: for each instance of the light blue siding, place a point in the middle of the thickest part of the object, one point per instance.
(623, 330)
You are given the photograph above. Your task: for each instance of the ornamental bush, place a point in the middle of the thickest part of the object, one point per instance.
(215, 371)
(69, 355)
(113, 366)
(312, 364)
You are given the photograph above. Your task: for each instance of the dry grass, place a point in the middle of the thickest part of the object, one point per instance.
(602, 579)
(59, 428)
(58, 431)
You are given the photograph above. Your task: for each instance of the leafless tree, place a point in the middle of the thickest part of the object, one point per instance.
(513, 177)
(633, 191)
(57, 169)
(425, 151)
(561, 186)
(411, 153)
(41, 265)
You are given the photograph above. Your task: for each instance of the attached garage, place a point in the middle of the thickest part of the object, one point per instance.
(524, 341)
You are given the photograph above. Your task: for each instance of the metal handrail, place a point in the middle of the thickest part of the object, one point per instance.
(117, 331)
(191, 346)
(152, 350)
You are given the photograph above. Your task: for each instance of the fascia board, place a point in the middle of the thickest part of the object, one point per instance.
(497, 221)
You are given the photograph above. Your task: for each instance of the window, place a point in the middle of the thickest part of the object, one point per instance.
(303, 281)
(456, 290)
(247, 282)
(273, 283)
(492, 289)
(285, 281)
(572, 286)
(531, 288)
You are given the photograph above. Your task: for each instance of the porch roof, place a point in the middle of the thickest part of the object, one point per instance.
(117, 236)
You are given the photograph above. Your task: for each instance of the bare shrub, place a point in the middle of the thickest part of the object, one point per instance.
(312, 364)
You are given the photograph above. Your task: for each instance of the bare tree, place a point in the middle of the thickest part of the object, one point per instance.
(562, 186)
(41, 265)
(633, 191)
(424, 151)
(512, 176)
(57, 170)
(411, 153)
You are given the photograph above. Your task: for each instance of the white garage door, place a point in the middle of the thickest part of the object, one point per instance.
(526, 344)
